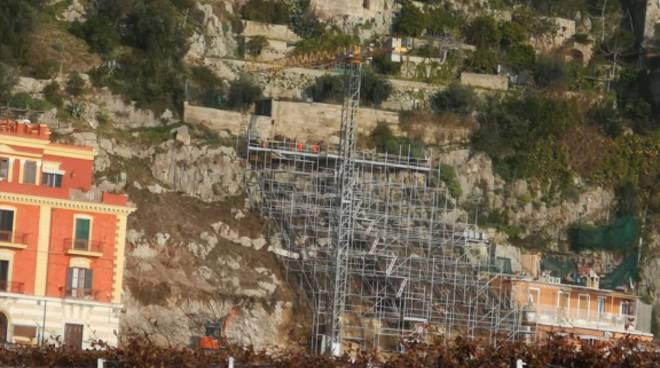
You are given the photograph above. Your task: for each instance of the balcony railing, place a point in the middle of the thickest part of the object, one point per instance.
(13, 237)
(78, 293)
(577, 317)
(83, 245)
(12, 287)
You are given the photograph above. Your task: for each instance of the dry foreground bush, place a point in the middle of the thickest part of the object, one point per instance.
(557, 352)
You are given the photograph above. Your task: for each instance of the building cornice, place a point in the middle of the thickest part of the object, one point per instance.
(66, 204)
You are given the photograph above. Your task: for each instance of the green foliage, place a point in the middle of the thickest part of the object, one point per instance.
(243, 93)
(374, 88)
(205, 88)
(449, 177)
(266, 11)
(7, 81)
(383, 65)
(520, 135)
(147, 41)
(256, 45)
(327, 88)
(17, 18)
(53, 94)
(75, 85)
(483, 60)
(440, 21)
(457, 99)
(328, 40)
(608, 119)
(412, 21)
(483, 32)
(561, 8)
(330, 88)
(98, 32)
(155, 28)
(384, 140)
(551, 72)
(520, 57)
(408, 21)
(303, 21)
(23, 100)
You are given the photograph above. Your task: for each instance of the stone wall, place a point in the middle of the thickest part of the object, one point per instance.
(291, 83)
(215, 119)
(488, 81)
(270, 31)
(303, 121)
(317, 121)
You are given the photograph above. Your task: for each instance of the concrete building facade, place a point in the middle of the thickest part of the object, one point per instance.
(62, 243)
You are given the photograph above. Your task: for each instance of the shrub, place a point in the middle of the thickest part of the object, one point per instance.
(205, 89)
(256, 45)
(484, 60)
(266, 11)
(384, 141)
(53, 94)
(23, 100)
(456, 98)
(17, 18)
(483, 32)
(520, 135)
(327, 40)
(75, 85)
(98, 32)
(327, 88)
(449, 177)
(7, 81)
(551, 72)
(383, 65)
(409, 21)
(374, 89)
(608, 119)
(330, 88)
(520, 57)
(243, 92)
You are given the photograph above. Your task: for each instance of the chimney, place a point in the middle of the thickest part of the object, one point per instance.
(593, 280)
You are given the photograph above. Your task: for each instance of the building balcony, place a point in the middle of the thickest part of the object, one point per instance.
(12, 239)
(73, 194)
(12, 287)
(79, 293)
(550, 315)
(83, 247)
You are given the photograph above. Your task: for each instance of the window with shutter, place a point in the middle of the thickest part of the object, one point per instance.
(79, 282)
(30, 172)
(82, 232)
(6, 225)
(4, 169)
(4, 276)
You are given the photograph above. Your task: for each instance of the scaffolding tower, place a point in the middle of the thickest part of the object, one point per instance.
(377, 247)
(407, 267)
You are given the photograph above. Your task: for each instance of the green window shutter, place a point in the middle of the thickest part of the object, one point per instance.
(6, 220)
(88, 280)
(82, 229)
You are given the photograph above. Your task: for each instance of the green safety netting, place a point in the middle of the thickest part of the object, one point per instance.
(558, 266)
(621, 274)
(617, 236)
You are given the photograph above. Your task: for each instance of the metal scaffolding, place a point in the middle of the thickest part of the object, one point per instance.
(407, 269)
(377, 247)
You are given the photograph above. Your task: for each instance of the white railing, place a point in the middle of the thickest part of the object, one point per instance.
(578, 317)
